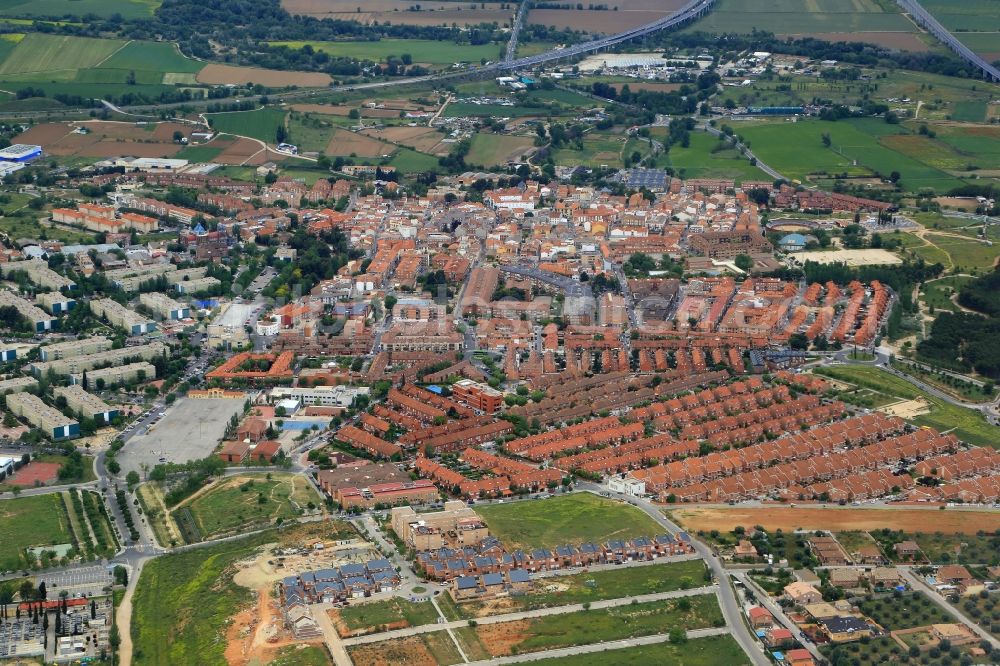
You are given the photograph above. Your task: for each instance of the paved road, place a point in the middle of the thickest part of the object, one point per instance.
(764, 599)
(516, 31)
(600, 647)
(525, 615)
(730, 605)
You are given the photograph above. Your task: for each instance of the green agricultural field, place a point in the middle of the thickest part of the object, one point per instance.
(250, 500)
(611, 624)
(31, 521)
(794, 17)
(967, 425)
(598, 149)
(496, 149)
(389, 611)
(260, 124)
(709, 651)
(425, 51)
(981, 42)
(43, 54)
(410, 161)
(466, 109)
(973, 112)
(566, 519)
(967, 253)
(966, 16)
(906, 612)
(205, 153)
(310, 133)
(796, 150)
(59, 8)
(159, 57)
(699, 161)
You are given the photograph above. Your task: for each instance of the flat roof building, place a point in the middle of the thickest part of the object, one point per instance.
(20, 152)
(49, 420)
(77, 364)
(55, 302)
(326, 396)
(84, 403)
(117, 374)
(72, 348)
(122, 317)
(38, 271)
(164, 306)
(194, 285)
(17, 384)
(38, 318)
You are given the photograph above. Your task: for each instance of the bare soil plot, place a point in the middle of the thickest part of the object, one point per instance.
(344, 142)
(500, 638)
(907, 409)
(422, 139)
(239, 151)
(409, 651)
(44, 135)
(837, 519)
(40, 472)
(216, 74)
(117, 148)
(903, 41)
(850, 257)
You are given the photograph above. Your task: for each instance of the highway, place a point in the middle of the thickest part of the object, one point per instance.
(515, 31)
(923, 18)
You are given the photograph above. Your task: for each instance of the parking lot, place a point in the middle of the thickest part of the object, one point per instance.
(81, 581)
(189, 430)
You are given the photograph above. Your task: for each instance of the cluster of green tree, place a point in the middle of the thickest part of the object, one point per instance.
(454, 161)
(684, 100)
(834, 112)
(319, 258)
(982, 294)
(856, 53)
(191, 476)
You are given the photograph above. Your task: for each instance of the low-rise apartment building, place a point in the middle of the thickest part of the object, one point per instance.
(164, 306)
(117, 374)
(84, 403)
(122, 317)
(38, 318)
(17, 384)
(55, 302)
(38, 272)
(478, 396)
(49, 420)
(71, 365)
(72, 348)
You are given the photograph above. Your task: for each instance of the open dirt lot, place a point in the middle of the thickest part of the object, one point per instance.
(837, 519)
(903, 41)
(907, 409)
(247, 151)
(423, 139)
(344, 142)
(106, 139)
(850, 257)
(42, 472)
(500, 638)
(222, 74)
(409, 651)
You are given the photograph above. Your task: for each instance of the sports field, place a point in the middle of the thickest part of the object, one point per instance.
(31, 521)
(45, 54)
(426, 51)
(967, 424)
(837, 519)
(565, 519)
(260, 124)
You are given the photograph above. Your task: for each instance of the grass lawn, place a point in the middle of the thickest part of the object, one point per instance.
(388, 611)
(42, 54)
(205, 153)
(598, 148)
(260, 124)
(31, 521)
(610, 624)
(913, 609)
(241, 501)
(710, 651)
(698, 161)
(426, 51)
(301, 655)
(937, 294)
(968, 425)
(566, 519)
(966, 253)
(495, 149)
